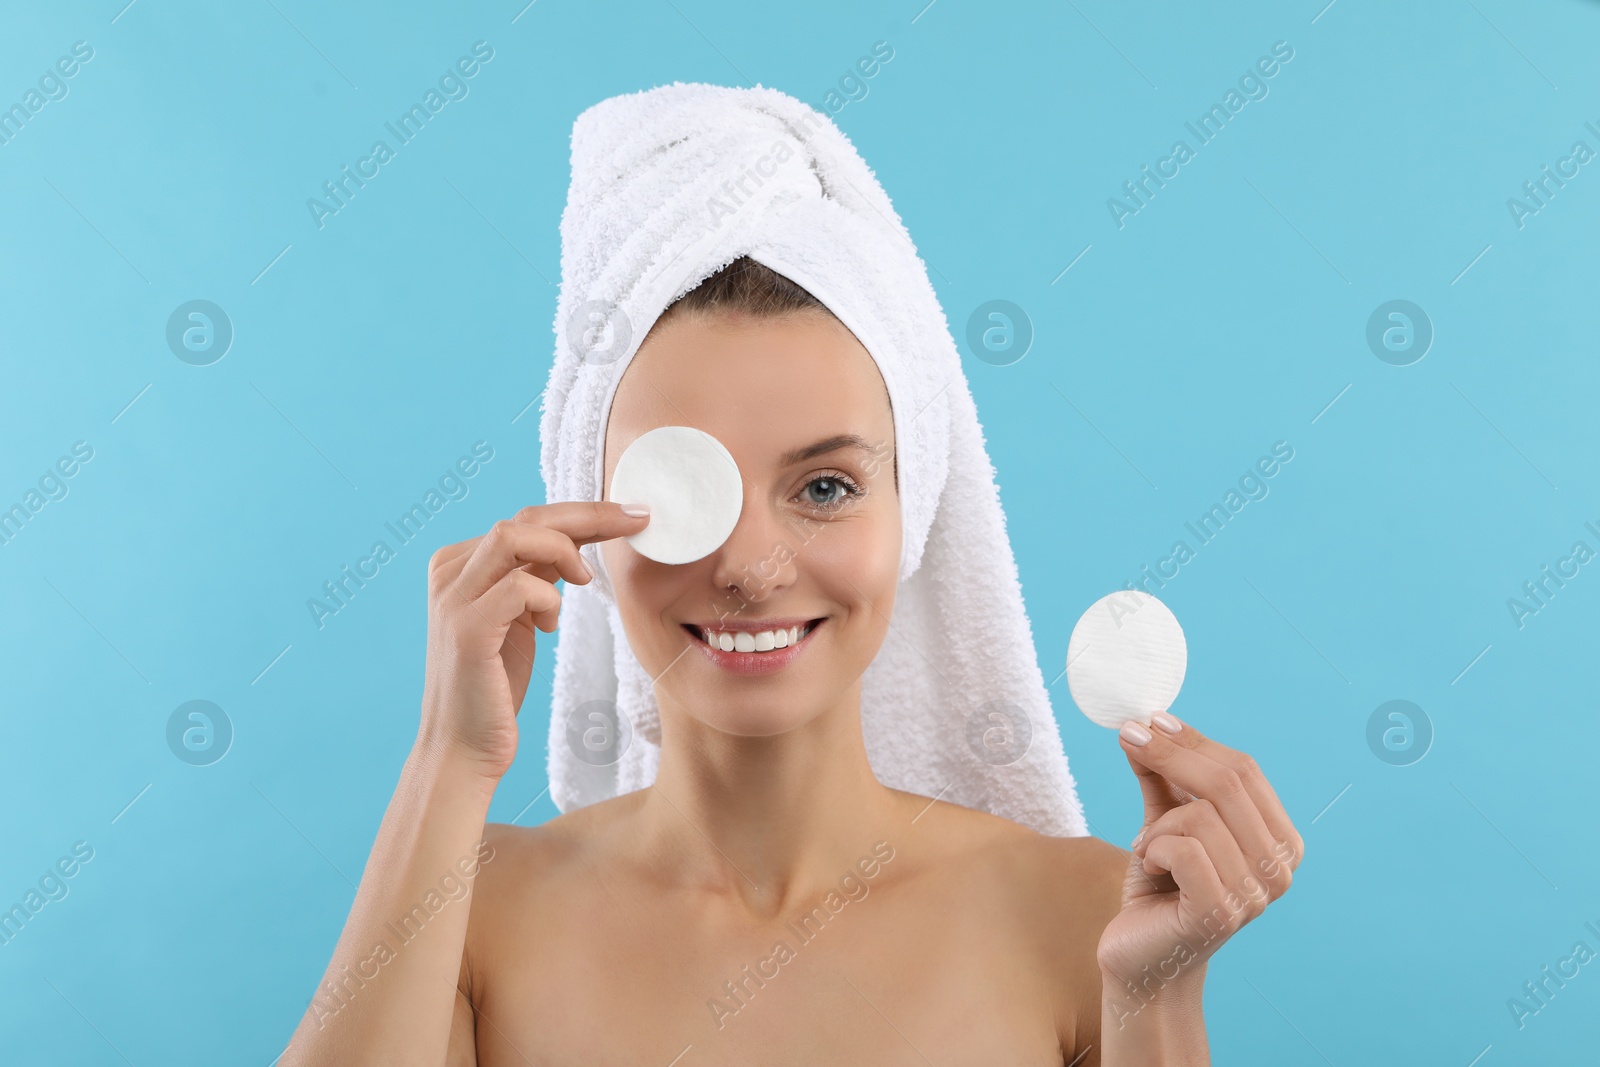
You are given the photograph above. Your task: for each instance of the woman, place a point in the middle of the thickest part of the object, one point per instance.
(767, 898)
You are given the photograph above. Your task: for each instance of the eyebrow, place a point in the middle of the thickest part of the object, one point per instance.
(824, 446)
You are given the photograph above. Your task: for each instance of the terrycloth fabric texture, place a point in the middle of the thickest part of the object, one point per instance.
(668, 186)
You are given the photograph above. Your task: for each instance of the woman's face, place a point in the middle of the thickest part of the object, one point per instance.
(801, 406)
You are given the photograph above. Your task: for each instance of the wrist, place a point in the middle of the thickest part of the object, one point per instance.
(465, 773)
(1156, 1013)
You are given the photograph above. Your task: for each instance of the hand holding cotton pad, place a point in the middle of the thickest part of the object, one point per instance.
(1126, 659)
(692, 485)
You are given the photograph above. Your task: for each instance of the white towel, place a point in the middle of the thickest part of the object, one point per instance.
(655, 206)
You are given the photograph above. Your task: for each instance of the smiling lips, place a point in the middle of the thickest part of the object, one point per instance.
(754, 651)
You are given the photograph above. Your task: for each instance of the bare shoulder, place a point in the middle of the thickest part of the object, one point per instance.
(526, 866)
(1067, 887)
(1091, 869)
(1077, 874)
(1084, 877)
(525, 877)
(1057, 893)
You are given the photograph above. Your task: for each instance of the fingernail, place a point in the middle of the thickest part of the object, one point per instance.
(1138, 839)
(1166, 722)
(637, 511)
(587, 572)
(1134, 733)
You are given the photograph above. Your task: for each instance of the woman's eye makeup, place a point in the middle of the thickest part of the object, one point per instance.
(830, 491)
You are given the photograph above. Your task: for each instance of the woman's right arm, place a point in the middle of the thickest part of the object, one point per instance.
(389, 994)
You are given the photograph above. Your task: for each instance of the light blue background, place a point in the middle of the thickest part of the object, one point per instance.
(1223, 317)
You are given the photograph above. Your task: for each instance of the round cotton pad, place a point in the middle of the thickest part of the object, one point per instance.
(692, 486)
(1126, 659)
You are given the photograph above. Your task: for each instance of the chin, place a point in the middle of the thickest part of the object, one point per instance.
(764, 718)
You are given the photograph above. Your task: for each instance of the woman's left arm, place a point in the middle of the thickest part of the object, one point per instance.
(1216, 849)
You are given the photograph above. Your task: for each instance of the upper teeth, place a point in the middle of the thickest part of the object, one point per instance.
(765, 641)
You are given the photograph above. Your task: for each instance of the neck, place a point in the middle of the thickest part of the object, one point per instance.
(772, 820)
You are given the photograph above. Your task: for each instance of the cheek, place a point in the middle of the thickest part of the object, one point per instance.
(858, 561)
(641, 590)
(628, 579)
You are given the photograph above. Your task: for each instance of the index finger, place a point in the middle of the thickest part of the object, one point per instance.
(1255, 783)
(1160, 795)
(1231, 780)
(586, 521)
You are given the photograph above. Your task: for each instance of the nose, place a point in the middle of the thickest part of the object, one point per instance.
(758, 558)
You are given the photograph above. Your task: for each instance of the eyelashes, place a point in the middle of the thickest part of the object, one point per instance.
(849, 488)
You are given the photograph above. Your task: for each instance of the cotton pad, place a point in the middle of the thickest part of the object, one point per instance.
(1126, 659)
(692, 486)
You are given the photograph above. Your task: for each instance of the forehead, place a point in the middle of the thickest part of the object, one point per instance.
(762, 387)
